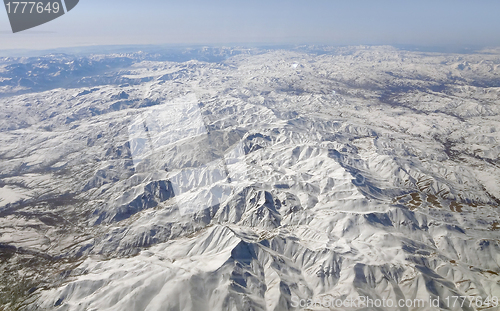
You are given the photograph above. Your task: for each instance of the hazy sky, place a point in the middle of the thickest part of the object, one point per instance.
(350, 22)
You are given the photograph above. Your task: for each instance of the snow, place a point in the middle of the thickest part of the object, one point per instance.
(241, 184)
(11, 194)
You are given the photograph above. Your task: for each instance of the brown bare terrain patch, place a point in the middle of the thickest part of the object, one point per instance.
(416, 200)
(424, 184)
(455, 207)
(412, 200)
(495, 226)
(432, 199)
(492, 272)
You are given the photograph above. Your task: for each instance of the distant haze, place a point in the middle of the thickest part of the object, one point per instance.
(113, 22)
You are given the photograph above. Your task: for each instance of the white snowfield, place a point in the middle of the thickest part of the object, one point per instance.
(248, 184)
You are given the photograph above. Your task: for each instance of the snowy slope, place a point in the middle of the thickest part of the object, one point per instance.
(252, 182)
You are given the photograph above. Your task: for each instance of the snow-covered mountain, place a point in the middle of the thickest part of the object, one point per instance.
(258, 180)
